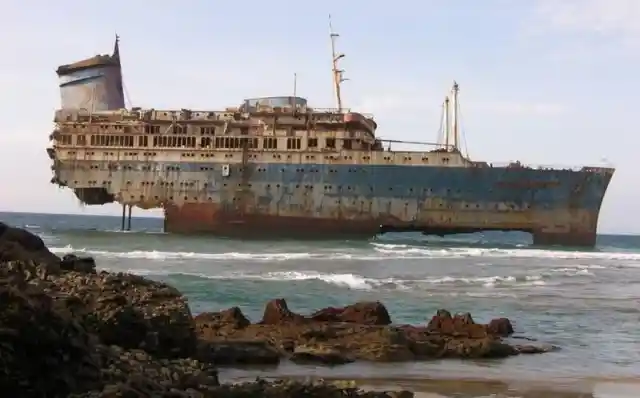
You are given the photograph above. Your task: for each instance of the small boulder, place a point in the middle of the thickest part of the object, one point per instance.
(321, 354)
(362, 313)
(277, 312)
(235, 352)
(71, 262)
(500, 327)
(231, 318)
(366, 313)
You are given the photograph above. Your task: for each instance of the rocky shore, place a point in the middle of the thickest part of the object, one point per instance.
(68, 330)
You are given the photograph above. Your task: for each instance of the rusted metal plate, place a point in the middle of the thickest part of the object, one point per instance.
(94, 89)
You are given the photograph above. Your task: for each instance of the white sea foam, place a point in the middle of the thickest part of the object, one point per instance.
(159, 263)
(354, 281)
(382, 252)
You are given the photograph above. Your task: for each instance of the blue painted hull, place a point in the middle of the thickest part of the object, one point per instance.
(331, 200)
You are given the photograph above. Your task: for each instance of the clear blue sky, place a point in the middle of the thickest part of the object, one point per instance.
(546, 82)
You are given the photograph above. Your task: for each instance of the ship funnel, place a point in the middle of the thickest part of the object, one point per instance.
(93, 84)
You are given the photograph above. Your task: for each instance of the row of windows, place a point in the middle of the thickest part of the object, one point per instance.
(111, 140)
(176, 141)
(254, 156)
(210, 130)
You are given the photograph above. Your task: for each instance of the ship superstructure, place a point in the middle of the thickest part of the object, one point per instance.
(278, 166)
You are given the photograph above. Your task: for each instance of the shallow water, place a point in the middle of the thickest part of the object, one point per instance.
(586, 302)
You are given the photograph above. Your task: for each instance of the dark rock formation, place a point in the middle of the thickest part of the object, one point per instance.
(277, 312)
(363, 313)
(17, 244)
(68, 330)
(359, 331)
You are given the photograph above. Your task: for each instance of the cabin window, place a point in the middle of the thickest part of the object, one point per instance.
(347, 144)
(270, 143)
(179, 129)
(81, 140)
(205, 142)
(330, 143)
(293, 143)
(207, 130)
(312, 142)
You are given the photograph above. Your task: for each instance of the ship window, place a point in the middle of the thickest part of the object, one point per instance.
(330, 143)
(205, 142)
(347, 144)
(312, 142)
(293, 143)
(269, 143)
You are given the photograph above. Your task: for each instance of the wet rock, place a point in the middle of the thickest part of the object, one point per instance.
(42, 350)
(291, 389)
(277, 312)
(500, 327)
(17, 244)
(322, 354)
(236, 352)
(71, 262)
(535, 349)
(363, 313)
(478, 348)
(129, 311)
(232, 318)
(326, 335)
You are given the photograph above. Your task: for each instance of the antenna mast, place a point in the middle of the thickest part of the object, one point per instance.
(295, 85)
(337, 73)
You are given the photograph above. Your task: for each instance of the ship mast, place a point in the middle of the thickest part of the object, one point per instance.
(337, 73)
(445, 115)
(455, 125)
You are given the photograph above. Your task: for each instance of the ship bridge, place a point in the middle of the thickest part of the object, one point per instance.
(292, 103)
(252, 104)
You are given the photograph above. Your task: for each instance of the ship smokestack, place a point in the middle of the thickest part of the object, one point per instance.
(93, 84)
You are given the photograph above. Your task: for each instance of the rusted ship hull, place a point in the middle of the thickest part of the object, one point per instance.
(203, 218)
(556, 206)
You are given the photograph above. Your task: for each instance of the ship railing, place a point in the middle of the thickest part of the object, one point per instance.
(341, 111)
(516, 164)
(408, 144)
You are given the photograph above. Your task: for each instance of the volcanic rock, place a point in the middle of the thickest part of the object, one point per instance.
(363, 313)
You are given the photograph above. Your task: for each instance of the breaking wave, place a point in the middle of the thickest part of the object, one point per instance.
(379, 252)
(346, 280)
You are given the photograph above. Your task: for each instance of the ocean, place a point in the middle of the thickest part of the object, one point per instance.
(587, 302)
